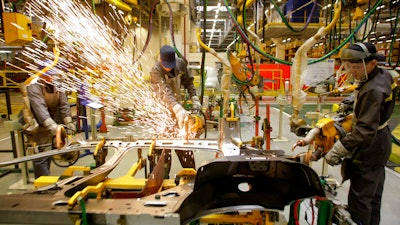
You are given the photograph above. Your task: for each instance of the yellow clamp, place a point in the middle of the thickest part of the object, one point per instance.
(98, 189)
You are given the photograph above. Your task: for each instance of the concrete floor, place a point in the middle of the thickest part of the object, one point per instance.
(282, 139)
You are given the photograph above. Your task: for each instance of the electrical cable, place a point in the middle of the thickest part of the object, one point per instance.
(241, 32)
(393, 39)
(367, 34)
(369, 13)
(148, 38)
(203, 55)
(248, 46)
(171, 30)
(374, 23)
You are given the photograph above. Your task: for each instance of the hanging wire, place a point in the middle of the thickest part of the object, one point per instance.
(393, 34)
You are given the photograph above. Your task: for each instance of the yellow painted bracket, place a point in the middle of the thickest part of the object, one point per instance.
(255, 217)
(98, 190)
(127, 181)
(152, 147)
(327, 139)
(69, 172)
(185, 175)
(99, 146)
(232, 117)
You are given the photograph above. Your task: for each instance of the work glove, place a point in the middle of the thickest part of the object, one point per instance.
(71, 128)
(196, 103)
(335, 155)
(180, 114)
(50, 125)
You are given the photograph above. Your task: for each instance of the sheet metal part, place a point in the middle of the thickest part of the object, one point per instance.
(198, 145)
(272, 182)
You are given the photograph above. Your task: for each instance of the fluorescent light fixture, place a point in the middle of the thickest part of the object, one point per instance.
(380, 7)
(212, 30)
(232, 42)
(212, 8)
(390, 19)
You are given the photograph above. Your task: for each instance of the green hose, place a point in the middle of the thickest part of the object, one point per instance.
(83, 208)
(351, 35)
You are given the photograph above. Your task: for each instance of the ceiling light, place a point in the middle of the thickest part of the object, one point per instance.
(390, 19)
(380, 7)
(232, 42)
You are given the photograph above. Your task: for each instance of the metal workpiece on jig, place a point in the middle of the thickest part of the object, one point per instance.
(243, 176)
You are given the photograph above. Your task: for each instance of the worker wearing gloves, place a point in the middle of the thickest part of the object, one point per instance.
(50, 108)
(368, 145)
(167, 76)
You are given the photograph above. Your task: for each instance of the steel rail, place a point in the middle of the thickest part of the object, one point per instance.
(201, 145)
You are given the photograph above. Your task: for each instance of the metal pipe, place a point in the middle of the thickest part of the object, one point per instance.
(308, 138)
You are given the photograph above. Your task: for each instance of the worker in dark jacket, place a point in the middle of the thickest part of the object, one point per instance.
(368, 145)
(50, 108)
(167, 77)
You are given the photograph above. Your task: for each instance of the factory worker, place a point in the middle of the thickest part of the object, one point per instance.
(368, 146)
(167, 77)
(50, 108)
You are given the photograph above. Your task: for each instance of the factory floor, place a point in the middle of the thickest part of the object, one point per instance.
(281, 139)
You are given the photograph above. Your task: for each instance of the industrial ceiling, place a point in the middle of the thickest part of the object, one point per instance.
(221, 31)
(263, 18)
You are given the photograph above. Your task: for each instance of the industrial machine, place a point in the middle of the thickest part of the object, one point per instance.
(326, 131)
(241, 185)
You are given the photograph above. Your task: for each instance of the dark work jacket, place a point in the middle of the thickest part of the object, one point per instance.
(160, 79)
(374, 105)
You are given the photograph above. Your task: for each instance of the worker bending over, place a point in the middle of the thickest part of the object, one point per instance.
(50, 108)
(167, 76)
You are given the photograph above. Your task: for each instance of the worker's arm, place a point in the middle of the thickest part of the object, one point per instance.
(161, 88)
(39, 107)
(37, 102)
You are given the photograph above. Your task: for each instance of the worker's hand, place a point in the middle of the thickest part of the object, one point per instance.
(70, 127)
(180, 114)
(51, 125)
(335, 155)
(196, 103)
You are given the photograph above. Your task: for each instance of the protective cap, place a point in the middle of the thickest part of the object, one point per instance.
(167, 56)
(361, 51)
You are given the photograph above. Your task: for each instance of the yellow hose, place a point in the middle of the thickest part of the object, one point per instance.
(336, 16)
(120, 5)
(212, 51)
(198, 34)
(300, 64)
